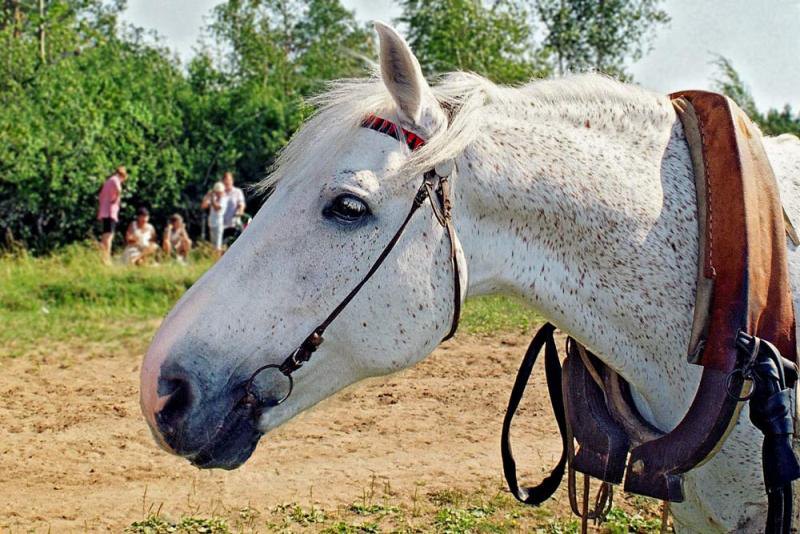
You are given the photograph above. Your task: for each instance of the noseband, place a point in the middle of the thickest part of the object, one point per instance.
(436, 188)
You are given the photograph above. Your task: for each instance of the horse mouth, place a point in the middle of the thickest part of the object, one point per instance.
(226, 454)
(231, 446)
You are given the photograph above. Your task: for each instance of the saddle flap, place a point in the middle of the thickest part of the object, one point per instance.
(602, 443)
(743, 285)
(743, 279)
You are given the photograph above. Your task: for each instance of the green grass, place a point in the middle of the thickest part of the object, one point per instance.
(493, 314)
(72, 298)
(69, 300)
(450, 512)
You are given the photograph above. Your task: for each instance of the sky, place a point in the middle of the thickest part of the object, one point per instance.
(761, 37)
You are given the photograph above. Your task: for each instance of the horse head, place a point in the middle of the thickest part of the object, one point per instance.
(339, 193)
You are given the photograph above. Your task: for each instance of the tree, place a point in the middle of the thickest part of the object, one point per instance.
(67, 128)
(731, 84)
(294, 44)
(774, 121)
(275, 53)
(494, 41)
(329, 44)
(81, 94)
(598, 35)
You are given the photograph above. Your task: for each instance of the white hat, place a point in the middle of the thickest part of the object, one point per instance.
(219, 187)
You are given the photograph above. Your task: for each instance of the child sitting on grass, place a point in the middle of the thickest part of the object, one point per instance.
(140, 239)
(176, 239)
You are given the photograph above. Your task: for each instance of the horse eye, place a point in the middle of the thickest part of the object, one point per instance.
(346, 208)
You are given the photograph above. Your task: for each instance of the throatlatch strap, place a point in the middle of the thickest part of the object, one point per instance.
(545, 489)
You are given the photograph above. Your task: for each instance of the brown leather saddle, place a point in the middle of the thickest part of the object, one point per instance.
(744, 315)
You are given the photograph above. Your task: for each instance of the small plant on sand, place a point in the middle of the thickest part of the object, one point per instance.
(620, 522)
(303, 516)
(188, 525)
(561, 527)
(340, 527)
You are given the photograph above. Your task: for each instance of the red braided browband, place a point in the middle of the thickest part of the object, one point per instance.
(373, 122)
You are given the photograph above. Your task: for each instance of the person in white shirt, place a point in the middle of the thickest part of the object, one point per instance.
(140, 239)
(214, 203)
(233, 204)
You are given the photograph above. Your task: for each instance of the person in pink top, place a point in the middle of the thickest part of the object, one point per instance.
(108, 209)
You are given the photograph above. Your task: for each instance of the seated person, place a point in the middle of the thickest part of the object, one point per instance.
(176, 239)
(140, 239)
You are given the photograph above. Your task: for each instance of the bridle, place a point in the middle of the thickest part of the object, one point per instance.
(436, 188)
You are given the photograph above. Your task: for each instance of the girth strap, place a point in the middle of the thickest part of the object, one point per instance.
(771, 411)
(537, 494)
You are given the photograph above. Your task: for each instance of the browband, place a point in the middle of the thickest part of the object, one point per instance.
(373, 122)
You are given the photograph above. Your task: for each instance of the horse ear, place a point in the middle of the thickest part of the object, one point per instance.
(401, 73)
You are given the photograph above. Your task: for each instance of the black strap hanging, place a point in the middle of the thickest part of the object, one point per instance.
(537, 494)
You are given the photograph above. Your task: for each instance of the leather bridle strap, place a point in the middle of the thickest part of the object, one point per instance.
(444, 216)
(303, 353)
(436, 188)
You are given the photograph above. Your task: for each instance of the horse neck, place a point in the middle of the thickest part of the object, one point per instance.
(587, 212)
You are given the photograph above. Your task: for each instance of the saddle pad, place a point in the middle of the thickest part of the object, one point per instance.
(743, 275)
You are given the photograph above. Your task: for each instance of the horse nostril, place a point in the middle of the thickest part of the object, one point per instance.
(177, 406)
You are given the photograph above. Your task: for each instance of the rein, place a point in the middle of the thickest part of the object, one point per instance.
(436, 188)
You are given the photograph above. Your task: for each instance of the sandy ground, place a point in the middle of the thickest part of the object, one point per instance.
(76, 455)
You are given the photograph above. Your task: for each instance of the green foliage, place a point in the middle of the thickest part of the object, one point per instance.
(731, 84)
(621, 522)
(80, 93)
(488, 315)
(100, 96)
(341, 527)
(571, 526)
(496, 41)
(779, 121)
(75, 299)
(589, 35)
(303, 516)
(481, 514)
(188, 525)
(67, 122)
(774, 121)
(473, 519)
(372, 509)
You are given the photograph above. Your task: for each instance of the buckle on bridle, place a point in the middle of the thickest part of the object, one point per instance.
(292, 363)
(440, 205)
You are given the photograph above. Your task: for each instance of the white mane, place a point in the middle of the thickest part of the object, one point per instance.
(341, 109)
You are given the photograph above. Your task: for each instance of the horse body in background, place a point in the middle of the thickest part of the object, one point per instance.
(576, 195)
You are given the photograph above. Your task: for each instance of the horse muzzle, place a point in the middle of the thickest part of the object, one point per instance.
(208, 416)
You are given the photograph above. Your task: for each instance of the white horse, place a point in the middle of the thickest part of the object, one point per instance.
(575, 194)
